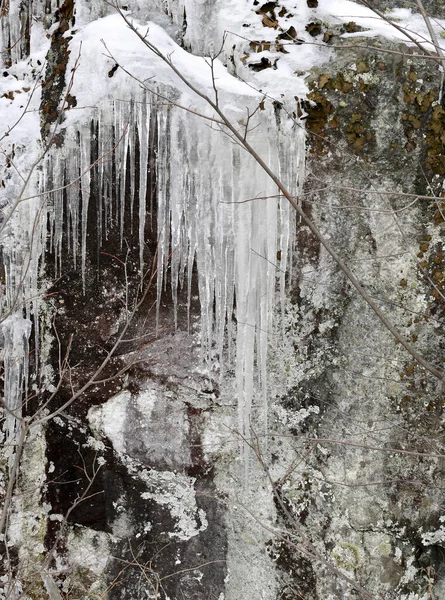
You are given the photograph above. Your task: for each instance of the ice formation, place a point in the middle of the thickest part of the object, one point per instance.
(217, 211)
(16, 331)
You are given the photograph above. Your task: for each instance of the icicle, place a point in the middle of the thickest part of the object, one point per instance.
(132, 131)
(106, 143)
(205, 218)
(15, 24)
(143, 119)
(74, 182)
(183, 141)
(153, 145)
(291, 165)
(58, 218)
(122, 127)
(164, 193)
(16, 331)
(85, 167)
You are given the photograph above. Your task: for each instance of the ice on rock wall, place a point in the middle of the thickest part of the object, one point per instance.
(23, 238)
(218, 214)
(217, 210)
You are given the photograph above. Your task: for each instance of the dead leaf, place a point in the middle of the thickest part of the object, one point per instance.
(268, 22)
(323, 79)
(351, 27)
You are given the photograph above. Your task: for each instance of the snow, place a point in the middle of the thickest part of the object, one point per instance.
(241, 24)
(125, 48)
(346, 11)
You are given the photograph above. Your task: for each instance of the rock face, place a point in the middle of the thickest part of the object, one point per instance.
(431, 6)
(198, 404)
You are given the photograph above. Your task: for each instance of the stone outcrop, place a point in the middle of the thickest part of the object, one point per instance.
(143, 486)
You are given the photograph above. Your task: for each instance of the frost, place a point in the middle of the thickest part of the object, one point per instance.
(167, 488)
(177, 493)
(39, 548)
(410, 572)
(97, 445)
(110, 418)
(89, 549)
(56, 517)
(434, 537)
(293, 419)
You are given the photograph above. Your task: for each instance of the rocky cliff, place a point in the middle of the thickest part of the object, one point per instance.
(198, 403)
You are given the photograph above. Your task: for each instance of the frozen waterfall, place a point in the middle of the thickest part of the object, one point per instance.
(218, 214)
(216, 211)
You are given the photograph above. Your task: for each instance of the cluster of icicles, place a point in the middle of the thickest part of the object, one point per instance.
(216, 210)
